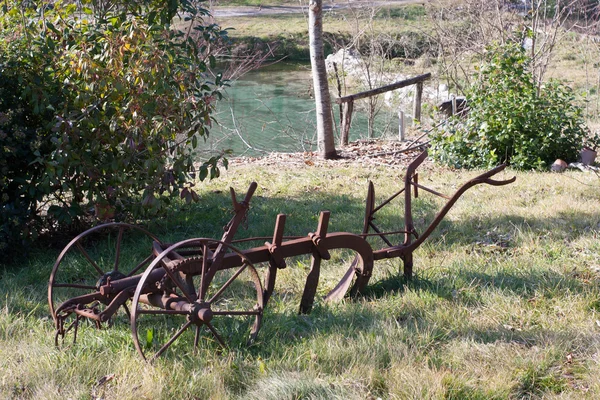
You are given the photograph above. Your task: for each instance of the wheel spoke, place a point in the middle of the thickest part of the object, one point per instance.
(197, 337)
(173, 339)
(87, 256)
(118, 248)
(202, 276)
(215, 334)
(189, 281)
(226, 284)
(126, 309)
(140, 265)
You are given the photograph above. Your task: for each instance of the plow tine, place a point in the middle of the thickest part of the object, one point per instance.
(340, 290)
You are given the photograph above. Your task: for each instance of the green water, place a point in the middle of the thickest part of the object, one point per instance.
(271, 109)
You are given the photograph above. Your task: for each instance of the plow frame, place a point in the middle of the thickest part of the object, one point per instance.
(177, 276)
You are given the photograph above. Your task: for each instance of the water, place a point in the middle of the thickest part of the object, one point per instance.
(272, 109)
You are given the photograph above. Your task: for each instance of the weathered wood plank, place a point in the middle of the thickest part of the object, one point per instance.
(383, 89)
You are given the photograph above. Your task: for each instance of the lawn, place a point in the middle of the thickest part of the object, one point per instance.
(504, 304)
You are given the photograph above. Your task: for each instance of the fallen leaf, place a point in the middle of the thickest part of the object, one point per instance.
(104, 379)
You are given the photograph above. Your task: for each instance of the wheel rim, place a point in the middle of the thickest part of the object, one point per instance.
(109, 251)
(230, 305)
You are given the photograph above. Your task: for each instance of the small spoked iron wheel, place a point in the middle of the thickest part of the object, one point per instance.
(107, 252)
(186, 298)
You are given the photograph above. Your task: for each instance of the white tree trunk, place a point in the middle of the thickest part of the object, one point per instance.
(325, 142)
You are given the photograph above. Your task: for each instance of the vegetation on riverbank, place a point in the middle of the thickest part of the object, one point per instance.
(414, 39)
(287, 33)
(504, 303)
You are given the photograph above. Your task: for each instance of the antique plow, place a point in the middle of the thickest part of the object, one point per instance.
(209, 286)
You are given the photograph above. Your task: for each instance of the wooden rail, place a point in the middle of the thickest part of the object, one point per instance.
(348, 101)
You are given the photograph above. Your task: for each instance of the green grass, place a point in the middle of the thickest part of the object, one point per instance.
(254, 3)
(504, 304)
(288, 33)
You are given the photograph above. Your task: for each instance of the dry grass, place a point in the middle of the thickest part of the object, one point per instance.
(504, 303)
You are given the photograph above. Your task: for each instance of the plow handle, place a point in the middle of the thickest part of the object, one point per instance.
(483, 178)
(250, 192)
(244, 204)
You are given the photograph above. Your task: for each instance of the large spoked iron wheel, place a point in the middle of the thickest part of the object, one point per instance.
(106, 252)
(183, 300)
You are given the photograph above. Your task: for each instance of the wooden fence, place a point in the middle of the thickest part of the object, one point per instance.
(348, 101)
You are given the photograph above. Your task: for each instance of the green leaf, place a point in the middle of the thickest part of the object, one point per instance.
(149, 337)
(203, 172)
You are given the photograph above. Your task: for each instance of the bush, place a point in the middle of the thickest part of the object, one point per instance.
(100, 113)
(22, 141)
(510, 119)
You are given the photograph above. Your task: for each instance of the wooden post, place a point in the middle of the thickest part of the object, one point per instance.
(346, 120)
(401, 125)
(453, 104)
(339, 89)
(417, 102)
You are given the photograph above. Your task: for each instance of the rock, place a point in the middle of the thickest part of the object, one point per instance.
(559, 166)
(346, 59)
(445, 107)
(588, 156)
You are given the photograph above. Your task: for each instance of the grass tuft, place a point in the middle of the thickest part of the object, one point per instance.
(504, 303)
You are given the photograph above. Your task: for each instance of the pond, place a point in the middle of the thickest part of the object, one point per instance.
(272, 109)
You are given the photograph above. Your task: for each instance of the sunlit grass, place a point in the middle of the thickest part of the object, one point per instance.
(504, 304)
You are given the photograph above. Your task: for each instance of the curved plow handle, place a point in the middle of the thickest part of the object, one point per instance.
(237, 206)
(483, 178)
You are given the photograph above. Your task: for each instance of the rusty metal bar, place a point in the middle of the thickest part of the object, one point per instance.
(319, 253)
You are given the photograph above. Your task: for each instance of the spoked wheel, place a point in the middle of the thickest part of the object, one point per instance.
(104, 253)
(197, 290)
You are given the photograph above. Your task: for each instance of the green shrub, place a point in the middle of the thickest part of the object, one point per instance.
(22, 140)
(510, 119)
(100, 112)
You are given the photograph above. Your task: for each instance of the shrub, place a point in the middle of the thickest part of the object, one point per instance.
(22, 140)
(100, 112)
(510, 119)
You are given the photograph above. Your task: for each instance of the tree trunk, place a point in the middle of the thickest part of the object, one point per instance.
(325, 142)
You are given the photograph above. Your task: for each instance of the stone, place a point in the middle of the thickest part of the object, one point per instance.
(559, 166)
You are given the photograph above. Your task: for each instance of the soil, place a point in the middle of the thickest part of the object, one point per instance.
(374, 152)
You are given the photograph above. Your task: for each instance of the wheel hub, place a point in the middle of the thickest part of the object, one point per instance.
(201, 313)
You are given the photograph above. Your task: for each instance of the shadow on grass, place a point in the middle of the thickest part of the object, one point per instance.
(523, 283)
(207, 219)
